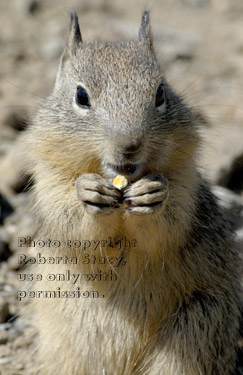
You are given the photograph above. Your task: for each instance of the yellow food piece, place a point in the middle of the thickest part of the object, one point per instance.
(120, 182)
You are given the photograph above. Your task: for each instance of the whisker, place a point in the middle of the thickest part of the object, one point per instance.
(208, 67)
(22, 89)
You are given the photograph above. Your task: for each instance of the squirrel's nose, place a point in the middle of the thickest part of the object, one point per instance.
(131, 148)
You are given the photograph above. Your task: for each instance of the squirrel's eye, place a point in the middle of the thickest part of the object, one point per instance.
(82, 97)
(160, 96)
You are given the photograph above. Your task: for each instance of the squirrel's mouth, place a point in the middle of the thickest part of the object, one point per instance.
(128, 170)
(125, 168)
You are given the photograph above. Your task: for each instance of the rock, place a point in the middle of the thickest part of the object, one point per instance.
(20, 325)
(22, 184)
(52, 48)
(5, 360)
(3, 337)
(232, 205)
(222, 5)
(13, 264)
(5, 252)
(221, 155)
(4, 310)
(7, 290)
(197, 3)
(15, 169)
(176, 47)
(33, 7)
(233, 177)
(23, 340)
(16, 118)
(5, 209)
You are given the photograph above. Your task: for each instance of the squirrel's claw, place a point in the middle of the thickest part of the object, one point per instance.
(148, 195)
(97, 194)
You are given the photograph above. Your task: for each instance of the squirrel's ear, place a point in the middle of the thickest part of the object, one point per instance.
(74, 42)
(145, 29)
(58, 82)
(75, 38)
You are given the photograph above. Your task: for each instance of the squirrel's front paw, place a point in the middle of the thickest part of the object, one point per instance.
(148, 195)
(97, 194)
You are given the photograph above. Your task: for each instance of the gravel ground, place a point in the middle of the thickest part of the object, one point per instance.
(200, 45)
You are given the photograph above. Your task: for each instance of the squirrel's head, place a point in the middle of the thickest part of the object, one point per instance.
(112, 111)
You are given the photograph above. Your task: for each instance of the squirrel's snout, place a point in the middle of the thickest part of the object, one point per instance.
(125, 154)
(130, 148)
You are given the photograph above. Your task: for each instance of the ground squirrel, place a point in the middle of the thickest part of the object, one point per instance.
(166, 301)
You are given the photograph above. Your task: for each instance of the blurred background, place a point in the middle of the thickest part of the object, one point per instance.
(200, 46)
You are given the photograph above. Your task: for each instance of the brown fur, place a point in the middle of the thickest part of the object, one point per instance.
(174, 308)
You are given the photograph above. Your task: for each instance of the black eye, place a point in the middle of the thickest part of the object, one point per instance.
(82, 97)
(160, 96)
